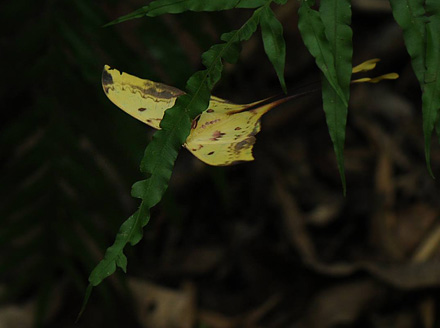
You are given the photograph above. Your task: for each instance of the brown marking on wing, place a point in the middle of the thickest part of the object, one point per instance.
(237, 128)
(197, 148)
(141, 109)
(152, 90)
(246, 143)
(160, 90)
(210, 111)
(217, 135)
(150, 120)
(256, 128)
(209, 123)
(106, 78)
(210, 153)
(195, 121)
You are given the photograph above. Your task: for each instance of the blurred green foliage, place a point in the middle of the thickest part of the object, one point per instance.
(68, 156)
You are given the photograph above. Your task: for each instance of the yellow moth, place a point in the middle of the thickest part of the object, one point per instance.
(224, 134)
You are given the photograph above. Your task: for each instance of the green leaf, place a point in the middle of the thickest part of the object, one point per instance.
(313, 33)
(274, 44)
(419, 21)
(113, 255)
(327, 35)
(336, 16)
(161, 153)
(141, 12)
(160, 7)
(87, 295)
(410, 15)
(431, 87)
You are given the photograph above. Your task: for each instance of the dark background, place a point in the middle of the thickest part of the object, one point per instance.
(270, 243)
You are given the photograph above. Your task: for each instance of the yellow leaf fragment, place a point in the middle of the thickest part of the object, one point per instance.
(389, 76)
(366, 66)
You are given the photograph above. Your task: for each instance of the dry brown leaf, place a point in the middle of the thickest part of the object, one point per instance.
(162, 307)
(15, 316)
(341, 305)
(404, 275)
(249, 319)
